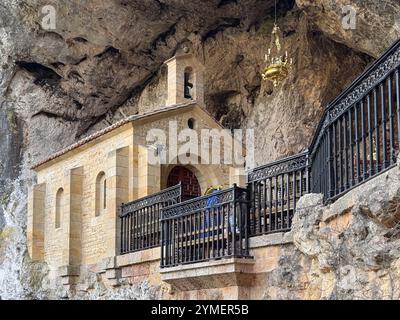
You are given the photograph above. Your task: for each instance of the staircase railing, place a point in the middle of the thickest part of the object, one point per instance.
(358, 137)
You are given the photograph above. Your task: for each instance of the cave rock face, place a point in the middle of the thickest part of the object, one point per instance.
(101, 61)
(364, 25)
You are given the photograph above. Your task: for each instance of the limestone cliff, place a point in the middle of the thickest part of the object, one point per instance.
(103, 62)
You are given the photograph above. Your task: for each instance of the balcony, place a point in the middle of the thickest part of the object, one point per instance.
(205, 228)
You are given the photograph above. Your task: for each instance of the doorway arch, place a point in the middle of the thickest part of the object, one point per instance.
(190, 184)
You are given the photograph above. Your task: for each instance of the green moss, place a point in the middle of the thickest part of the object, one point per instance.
(5, 233)
(12, 120)
(4, 198)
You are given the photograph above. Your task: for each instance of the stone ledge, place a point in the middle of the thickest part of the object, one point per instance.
(210, 274)
(272, 239)
(106, 264)
(68, 275)
(67, 271)
(148, 255)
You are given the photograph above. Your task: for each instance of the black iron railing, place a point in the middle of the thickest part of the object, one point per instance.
(274, 190)
(358, 137)
(140, 219)
(205, 228)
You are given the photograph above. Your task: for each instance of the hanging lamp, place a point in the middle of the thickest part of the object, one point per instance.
(278, 62)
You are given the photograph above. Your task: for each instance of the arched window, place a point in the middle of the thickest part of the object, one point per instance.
(188, 83)
(59, 207)
(101, 193)
(191, 123)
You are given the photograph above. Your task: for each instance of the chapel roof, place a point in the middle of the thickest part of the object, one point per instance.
(118, 124)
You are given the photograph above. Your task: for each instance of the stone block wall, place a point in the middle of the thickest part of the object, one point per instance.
(36, 221)
(83, 237)
(73, 220)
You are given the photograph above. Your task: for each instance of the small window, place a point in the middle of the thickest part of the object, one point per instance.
(59, 207)
(191, 123)
(101, 193)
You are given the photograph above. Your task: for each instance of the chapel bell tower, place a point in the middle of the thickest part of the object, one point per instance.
(185, 80)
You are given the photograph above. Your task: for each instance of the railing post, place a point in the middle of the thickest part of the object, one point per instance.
(246, 222)
(331, 191)
(357, 143)
(249, 207)
(370, 136)
(162, 243)
(397, 81)
(392, 158)
(180, 192)
(121, 230)
(308, 177)
(352, 145)
(363, 141)
(252, 207)
(346, 151)
(234, 224)
(384, 135)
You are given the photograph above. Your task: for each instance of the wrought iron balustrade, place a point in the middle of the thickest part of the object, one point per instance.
(140, 219)
(274, 191)
(208, 227)
(358, 137)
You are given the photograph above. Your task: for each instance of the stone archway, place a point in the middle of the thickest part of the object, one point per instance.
(190, 184)
(207, 175)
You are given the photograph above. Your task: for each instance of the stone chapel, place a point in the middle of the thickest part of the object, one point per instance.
(74, 209)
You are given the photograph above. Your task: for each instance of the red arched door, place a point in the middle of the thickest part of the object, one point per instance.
(190, 184)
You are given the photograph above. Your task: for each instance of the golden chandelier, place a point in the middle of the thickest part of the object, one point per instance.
(278, 63)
